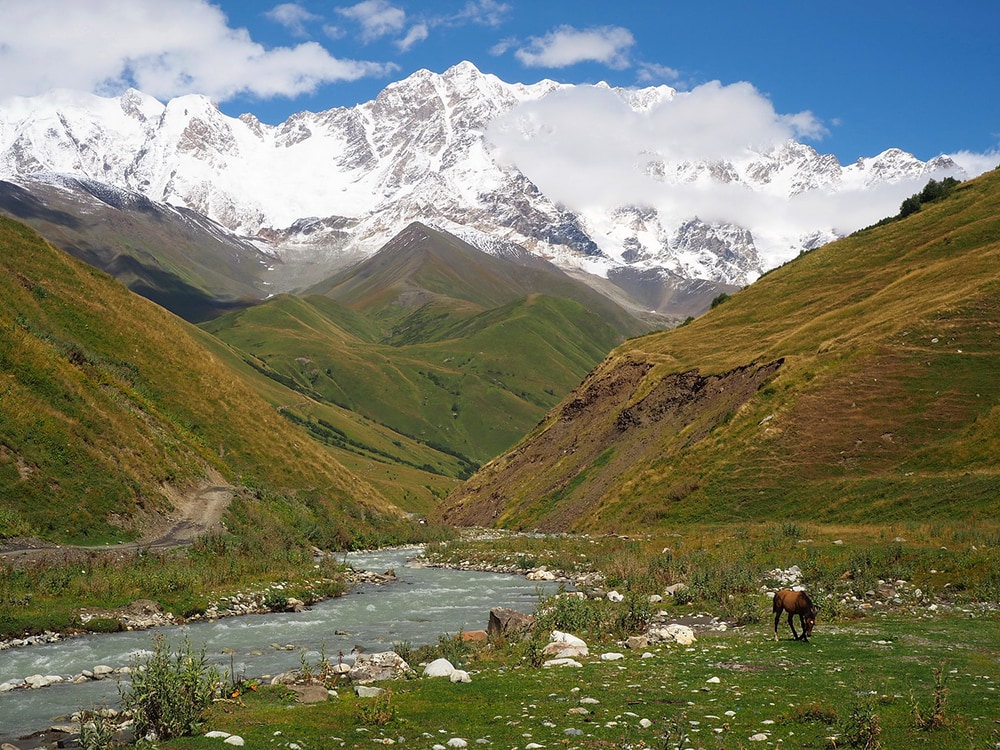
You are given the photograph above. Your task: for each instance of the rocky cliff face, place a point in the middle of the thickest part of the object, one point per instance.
(333, 185)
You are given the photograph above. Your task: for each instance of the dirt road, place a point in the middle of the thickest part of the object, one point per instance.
(197, 511)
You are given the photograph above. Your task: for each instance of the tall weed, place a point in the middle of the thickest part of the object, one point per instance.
(169, 693)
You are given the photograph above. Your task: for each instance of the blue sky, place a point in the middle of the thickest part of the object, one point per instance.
(918, 75)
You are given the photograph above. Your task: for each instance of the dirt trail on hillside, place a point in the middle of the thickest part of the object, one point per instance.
(197, 511)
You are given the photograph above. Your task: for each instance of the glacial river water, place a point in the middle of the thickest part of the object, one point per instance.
(420, 606)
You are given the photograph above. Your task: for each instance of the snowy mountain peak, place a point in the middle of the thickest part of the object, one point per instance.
(338, 184)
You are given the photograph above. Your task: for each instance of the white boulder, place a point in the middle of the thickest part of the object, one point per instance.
(439, 668)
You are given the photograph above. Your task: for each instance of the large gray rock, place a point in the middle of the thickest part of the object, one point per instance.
(509, 623)
(385, 665)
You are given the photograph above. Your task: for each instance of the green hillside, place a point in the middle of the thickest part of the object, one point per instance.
(168, 254)
(855, 384)
(445, 346)
(108, 404)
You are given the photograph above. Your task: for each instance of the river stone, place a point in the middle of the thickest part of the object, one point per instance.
(612, 656)
(509, 623)
(560, 650)
(673, 633)
(460, 675)
(568, 638)
(637, 641)
(439, 668)
(541, 575)
(385, 665)
(37, 681)
(307, 694)
(234, 739)
(367, 691)
(217, 735)
(561, 663)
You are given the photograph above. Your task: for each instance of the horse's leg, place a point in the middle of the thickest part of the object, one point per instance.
(802, 624)
(792, 626)
(777, 619)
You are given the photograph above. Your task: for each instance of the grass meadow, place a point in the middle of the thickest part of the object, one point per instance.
(921, 668)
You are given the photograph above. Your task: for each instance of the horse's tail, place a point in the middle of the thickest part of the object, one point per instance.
(776, 605)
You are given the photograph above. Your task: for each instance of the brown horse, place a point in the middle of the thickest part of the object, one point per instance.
(794, 603)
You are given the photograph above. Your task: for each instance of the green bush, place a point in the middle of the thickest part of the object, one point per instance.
(103, 625)
(97, 731)
(170, 693)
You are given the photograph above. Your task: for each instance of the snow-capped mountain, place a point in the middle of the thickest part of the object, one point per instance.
(336, 185)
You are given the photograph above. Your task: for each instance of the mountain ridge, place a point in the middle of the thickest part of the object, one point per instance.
(423, 149)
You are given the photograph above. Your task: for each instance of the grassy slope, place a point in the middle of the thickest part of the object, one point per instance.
(473, 394)
(436, 341)
(104, 397)
(167, 255)
(882, 402)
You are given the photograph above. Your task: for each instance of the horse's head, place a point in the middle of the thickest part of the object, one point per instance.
(809, 618)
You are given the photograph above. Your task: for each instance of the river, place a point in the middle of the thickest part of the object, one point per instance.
(420, 606)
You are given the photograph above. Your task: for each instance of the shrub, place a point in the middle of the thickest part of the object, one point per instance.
(97, 731)
(936, 719)
(170, 693)
(376, 711)
(862, 728)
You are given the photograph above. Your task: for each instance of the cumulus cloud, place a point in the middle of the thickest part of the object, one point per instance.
(377, 18)
(164, 49)
(591, 126)
(567, 46)
(417, 33)
(586, 148)
(976, 164)
(293, 17)
(653, 73)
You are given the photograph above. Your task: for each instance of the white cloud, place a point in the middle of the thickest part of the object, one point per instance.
(586, 148)
(485, 12)
(377, 18)
(976, 164)
(653, 73)
(568, 46)
(293, 17)
(417, 33)
(163, 49)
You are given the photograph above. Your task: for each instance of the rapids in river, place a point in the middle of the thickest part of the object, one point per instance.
(421, 605)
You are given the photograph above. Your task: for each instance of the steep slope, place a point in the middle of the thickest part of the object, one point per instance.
(180, 259)
(455, 349)
(110, 405)
(856, 383)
